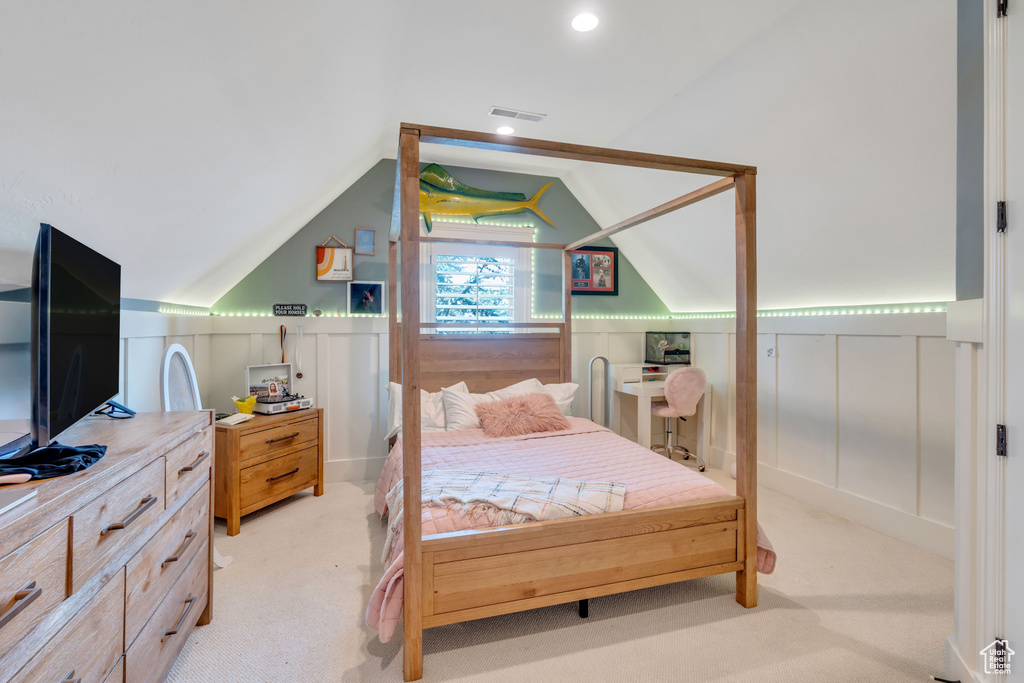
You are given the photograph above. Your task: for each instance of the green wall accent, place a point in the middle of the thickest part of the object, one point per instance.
(288, 275)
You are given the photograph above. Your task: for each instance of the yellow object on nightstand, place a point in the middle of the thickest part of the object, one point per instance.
(246, 405)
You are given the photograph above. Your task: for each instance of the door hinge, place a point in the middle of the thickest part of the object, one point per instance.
(1001, 440)
(1001, 216)
(1001, 8)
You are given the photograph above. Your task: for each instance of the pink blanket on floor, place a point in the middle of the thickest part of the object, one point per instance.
(585, 451)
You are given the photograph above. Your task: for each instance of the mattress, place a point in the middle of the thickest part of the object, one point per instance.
(585, 451)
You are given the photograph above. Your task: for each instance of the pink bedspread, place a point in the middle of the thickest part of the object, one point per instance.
(586, 452)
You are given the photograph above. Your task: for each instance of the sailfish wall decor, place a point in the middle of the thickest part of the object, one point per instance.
(443, 195)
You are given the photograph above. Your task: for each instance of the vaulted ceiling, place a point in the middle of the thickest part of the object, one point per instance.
(189, 140)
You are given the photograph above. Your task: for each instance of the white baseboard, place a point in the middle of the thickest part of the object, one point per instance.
(956, 667)
(923, 533)
(362, 469)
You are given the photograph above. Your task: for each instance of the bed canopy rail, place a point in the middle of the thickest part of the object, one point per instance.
(564, 560)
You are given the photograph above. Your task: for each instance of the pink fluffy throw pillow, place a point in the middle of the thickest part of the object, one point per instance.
(518, 415)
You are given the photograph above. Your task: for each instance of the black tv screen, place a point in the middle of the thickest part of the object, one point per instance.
(76, 314)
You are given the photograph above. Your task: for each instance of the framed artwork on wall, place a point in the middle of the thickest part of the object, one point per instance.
(334, 264)
(366, 298)
(595, 270)
(366, 241)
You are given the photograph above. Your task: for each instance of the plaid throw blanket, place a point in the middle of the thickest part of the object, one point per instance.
(505, 498)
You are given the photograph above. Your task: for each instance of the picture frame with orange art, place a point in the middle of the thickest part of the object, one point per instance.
(334, 264)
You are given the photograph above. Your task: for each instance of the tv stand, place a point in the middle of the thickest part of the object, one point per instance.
(116, 410)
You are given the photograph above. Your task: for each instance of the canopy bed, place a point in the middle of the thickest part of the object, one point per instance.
(506, 569)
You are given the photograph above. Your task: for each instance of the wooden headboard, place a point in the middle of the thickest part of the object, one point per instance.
(487, 362)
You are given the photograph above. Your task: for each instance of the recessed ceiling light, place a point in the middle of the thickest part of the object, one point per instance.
(505, 130)
(585, 22)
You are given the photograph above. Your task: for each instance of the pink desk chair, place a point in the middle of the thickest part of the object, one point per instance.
(683, 389)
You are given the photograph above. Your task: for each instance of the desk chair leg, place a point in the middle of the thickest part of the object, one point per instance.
(669, 448)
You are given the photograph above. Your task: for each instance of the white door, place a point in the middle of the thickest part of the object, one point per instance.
(1014, 242)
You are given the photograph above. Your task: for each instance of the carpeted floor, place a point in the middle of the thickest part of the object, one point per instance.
(845, 604)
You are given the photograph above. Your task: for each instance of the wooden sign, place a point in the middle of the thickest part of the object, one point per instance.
(289, 309)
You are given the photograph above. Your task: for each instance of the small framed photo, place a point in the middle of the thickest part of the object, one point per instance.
(366, 241)
(366, 298)
(334, 264)
(595, 270)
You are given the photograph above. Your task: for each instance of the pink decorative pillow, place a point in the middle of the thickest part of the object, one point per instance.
(518, 415)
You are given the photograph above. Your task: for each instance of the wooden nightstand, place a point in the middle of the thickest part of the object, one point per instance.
(266, 459)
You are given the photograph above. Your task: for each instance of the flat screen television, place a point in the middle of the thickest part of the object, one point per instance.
(667, 348)
(76, 329)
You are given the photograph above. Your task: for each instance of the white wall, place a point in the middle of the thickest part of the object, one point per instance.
(855, 416)
(855, 413)
(832, 103)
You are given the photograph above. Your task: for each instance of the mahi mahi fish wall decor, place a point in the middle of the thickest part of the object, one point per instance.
(443, 195)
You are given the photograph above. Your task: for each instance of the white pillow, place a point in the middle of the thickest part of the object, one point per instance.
(460, 408)
(431, 408)
(563, 395)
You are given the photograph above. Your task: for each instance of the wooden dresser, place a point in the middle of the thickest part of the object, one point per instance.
(266, 459)
(105, 572)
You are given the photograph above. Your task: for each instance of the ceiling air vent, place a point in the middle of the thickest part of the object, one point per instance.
(507, 113)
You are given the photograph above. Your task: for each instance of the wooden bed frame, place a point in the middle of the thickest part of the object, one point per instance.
(479, 573)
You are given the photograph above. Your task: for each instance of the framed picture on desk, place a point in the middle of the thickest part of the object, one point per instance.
(595, 270)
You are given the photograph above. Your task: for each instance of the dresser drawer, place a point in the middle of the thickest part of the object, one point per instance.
(117, 675)
(156, 567)
(277, 478)
(33, 579)
(153, 652)
(188, 463)
(89, 646)
(267, 443)
(108, 524)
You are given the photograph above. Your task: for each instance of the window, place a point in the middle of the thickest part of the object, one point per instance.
(476, 283)
(474, 289)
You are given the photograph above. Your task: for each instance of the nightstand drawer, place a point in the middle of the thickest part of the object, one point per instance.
(33, 579)
(89, 646)
(156, 567)
(188, 463)
(266, 443)
(278, 478)
(152, 653)
(105, 526)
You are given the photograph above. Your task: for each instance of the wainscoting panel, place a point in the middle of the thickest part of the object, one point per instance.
(352, 396)
(807, 406)
(937, 418)
(878, 419)
(767, 406)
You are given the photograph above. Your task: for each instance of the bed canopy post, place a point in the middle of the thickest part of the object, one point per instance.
(746, 381)
(409, 158)
(394, 343)
(567, 316)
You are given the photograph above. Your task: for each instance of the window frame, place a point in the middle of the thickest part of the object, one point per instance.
(522, 259)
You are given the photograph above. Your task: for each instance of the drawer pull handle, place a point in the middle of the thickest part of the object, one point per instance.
(22, 599)
(282, 476)
(189, 601)
(184, 546)
(283, 438)
(144, 505)
(69, 677)
(188, 468)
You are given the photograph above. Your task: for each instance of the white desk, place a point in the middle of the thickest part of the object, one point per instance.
(631, 411)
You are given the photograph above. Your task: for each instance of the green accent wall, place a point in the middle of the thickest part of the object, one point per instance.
(288, 275)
